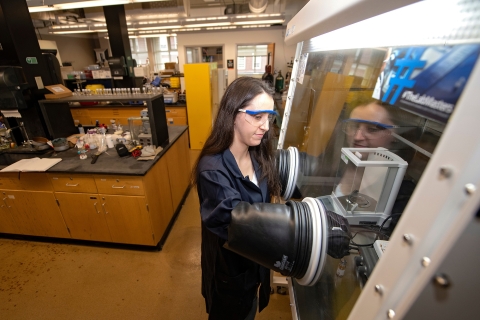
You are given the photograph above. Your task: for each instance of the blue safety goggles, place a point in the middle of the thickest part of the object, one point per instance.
(255, 112)
(258, 117)
(382, 125)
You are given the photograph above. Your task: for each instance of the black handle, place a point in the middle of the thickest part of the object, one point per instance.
(94, 158)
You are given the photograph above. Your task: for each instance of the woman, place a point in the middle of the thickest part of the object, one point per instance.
(236, 164)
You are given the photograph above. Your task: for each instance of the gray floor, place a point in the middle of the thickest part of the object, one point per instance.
(42, 280)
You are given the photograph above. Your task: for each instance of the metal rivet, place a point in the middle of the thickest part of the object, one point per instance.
(379, 289)
(426, 261)
(408, 238)
(390, 314)
(470, 188)
(446, 171)
(442, 280)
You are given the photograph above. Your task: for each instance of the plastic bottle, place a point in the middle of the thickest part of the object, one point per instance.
(279, 81)
(81, 129)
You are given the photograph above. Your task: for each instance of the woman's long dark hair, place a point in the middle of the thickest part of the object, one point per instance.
(238, 95)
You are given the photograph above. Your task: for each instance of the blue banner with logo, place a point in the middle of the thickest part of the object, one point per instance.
(426, 80)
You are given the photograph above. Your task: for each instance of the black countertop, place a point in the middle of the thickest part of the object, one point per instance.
(110, 162)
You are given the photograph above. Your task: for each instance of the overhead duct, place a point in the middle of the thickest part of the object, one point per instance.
(257, 6)
(253, 6)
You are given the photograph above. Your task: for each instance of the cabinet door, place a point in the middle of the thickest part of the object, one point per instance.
(178, 162)
(128, 219)
(37, 213)
(84, 216)
(7, 223)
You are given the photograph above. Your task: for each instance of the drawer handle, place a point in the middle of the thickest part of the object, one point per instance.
(6, 204)
(103, 205)
(71, 185)
(122, 187)
(95, 205)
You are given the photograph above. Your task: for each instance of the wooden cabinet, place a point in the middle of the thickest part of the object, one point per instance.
(29, 207)
(82, 116)
(176, 115)
(109, 208)
(115, 214)
(89, 115)
(7, 223)
(158, 190)
(126, 185)
(128, 219)
(178, 160)
(84, 216)
(65, 182)
(35, 213)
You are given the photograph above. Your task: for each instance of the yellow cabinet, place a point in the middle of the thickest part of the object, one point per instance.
(84, 216)
(200, 84)
(35, 213)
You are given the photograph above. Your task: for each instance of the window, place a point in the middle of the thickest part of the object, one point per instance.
(164, 50)
(154, 51)
(241, 63)
(139, 50)
(251, 60)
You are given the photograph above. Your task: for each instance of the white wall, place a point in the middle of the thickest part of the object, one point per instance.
(77, 49)
(230, 40)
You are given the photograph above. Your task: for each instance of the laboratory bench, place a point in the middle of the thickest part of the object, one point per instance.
(116, 200)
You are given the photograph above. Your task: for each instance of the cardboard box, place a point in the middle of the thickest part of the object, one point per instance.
(58, 91)
(171, 65)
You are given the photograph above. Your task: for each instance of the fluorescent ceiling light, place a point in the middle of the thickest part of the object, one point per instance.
(162, 27)
(260, 22)
(214, 24)
(41, 9)
(155, 35)
(74, 31)
(84, 4)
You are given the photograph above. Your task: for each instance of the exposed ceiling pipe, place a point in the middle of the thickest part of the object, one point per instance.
(257, 6)
(186, 6)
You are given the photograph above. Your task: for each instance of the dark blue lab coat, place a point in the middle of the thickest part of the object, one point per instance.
(229, 281)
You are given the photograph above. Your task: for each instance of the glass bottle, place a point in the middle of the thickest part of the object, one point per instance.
(341, 267)
(279, 81)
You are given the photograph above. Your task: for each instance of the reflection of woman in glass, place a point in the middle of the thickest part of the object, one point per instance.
(369, 126)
